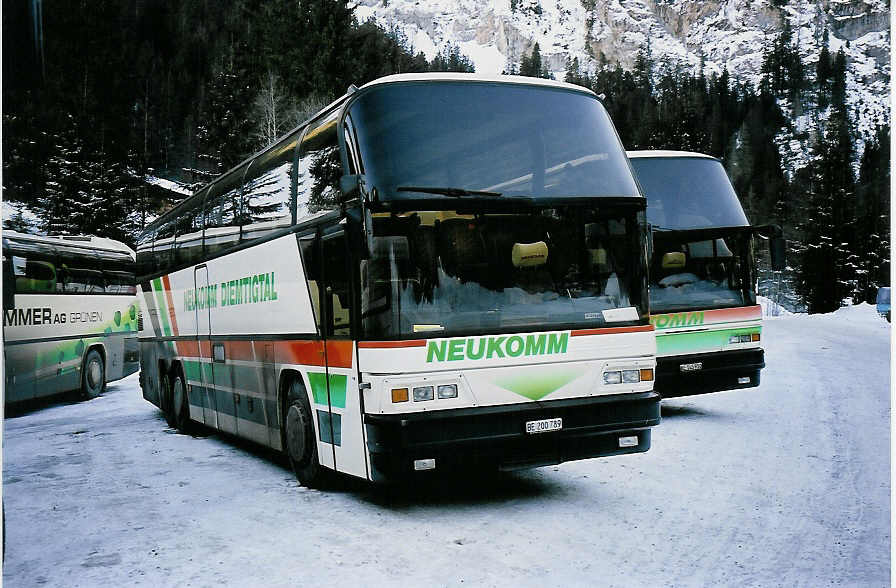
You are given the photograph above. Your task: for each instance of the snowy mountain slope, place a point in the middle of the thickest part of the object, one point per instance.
(732, 34)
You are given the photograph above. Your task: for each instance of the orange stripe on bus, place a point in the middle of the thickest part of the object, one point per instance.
(611, 330)
(167, 284)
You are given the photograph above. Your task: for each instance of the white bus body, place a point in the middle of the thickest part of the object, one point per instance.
(70, 316)
(381, 330)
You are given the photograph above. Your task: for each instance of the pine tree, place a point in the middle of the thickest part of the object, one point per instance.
(532, 66)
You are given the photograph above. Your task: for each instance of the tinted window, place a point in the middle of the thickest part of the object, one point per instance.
(267, 191)
(320, 168)
(34, 269)
(118, 272)
(80, 270)
(509, 138)
(688, 193)
(222, 228)
(188, 244)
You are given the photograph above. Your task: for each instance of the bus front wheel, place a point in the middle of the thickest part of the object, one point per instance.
(180, 405)
(301, 447)
(93, 376)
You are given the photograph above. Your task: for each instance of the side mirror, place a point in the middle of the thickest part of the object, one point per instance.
(777, 248)
(9, 285)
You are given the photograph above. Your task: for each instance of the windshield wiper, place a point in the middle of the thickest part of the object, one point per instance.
(455, 192)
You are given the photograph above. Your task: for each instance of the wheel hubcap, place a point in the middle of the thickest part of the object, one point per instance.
(94, 374)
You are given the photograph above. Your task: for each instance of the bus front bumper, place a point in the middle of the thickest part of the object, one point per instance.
(495, 437)
(725, 370)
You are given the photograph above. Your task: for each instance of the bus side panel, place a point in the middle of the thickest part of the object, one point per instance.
(254, 297)
(47, 335)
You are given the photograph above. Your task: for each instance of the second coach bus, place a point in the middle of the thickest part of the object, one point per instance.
(70, 315)
(702, 274)
(435, 271)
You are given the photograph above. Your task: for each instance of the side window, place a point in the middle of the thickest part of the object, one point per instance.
(268, 190)
(188, 243)
(222, 229)
(320, 167)
(163, 246)
(80, 271)
(145, 262)
(118, 272)
(311, 261)
(34, 275)
(338, 286)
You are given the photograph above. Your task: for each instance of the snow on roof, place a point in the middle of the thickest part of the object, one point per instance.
(665, 153)
(77, 240)
(475, 77)
(169, 185)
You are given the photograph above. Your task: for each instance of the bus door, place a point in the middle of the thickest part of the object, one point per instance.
(341, 432)
(203, 331)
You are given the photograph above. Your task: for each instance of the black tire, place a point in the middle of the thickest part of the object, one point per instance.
(93, 376)
(165, 400)
(299, 442)
(180, 404)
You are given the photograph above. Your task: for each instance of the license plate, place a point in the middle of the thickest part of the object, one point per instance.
(544, 425)
(691, 367)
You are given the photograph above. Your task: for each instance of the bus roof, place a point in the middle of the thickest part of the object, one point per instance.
(473, 77)
(85, 241)
(668, 154)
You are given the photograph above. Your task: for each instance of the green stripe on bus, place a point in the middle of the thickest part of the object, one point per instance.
(160, 303)
(318, 383)
(698, 342)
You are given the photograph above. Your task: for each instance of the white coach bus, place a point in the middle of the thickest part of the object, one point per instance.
(702, 274)
(435, 271)
(70, 315)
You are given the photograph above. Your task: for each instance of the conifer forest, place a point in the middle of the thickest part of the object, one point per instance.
(102, 97)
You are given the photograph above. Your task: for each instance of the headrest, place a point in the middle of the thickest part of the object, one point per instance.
(673, 260)
(598, 257)
(529, 254)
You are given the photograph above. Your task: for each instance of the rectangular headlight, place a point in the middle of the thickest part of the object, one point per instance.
(447, 391)
(631, 376)
(423, 393)
(612, 377)
(733, 339)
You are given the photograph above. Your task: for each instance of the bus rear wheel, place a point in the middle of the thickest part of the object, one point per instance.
(165, 400)
(300, 445)
(93, 376)
(180, 404)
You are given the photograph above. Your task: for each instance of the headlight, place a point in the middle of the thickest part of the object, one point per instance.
(423, 393)
(612, 377)
(631, 376)
(447, 391)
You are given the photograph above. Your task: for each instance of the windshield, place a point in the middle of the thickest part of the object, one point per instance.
(418, 139)
(705, 273)
(687, 193)
(453, 272)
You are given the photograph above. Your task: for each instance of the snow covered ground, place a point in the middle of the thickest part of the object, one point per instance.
(787, 484)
